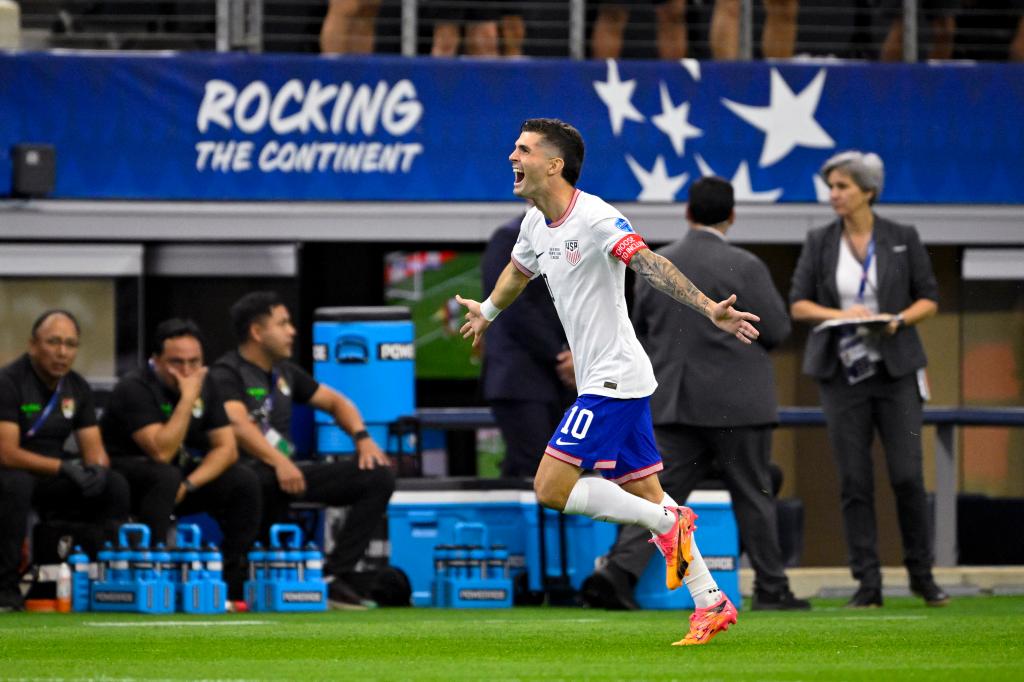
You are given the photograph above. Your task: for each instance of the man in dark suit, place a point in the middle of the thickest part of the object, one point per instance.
(715, 403)
(530, 387)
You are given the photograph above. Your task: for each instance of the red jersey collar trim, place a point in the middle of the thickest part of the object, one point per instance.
(568, 209)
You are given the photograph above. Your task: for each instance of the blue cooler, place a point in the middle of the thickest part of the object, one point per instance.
(424, 513)
(718, 540)
(369, 355)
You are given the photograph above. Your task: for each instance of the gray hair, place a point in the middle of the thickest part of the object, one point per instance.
(866, 170)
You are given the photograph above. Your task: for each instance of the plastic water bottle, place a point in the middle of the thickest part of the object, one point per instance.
(191, 566)
(477, 562)
(165, 568)
(119, 565)
(105, 558)
(79, 563)
(499, 561)
(257, 562)
(314, 563)
(213, 563)
(294, 557)
(64, 588)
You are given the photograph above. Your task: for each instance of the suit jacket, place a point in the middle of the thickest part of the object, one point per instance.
(904, 276)
(521, 345)
(707, 377)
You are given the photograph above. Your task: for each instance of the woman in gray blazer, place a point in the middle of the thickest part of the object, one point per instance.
(875, 272)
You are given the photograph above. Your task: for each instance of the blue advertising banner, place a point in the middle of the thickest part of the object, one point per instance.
(241, 127)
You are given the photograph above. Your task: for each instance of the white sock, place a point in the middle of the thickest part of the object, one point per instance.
(698, 580)
(604, 501)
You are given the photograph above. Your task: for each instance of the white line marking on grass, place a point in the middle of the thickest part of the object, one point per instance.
(541, 620)
(886, 618)
(179, 623)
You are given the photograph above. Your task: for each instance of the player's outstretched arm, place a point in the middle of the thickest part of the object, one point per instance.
(479, 316)
(664, 276)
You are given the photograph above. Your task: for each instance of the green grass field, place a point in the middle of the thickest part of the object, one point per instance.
(979, 638)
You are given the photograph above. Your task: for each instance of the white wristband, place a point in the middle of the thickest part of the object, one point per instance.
(489, 310)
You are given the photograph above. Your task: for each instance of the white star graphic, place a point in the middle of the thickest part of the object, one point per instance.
(821, 190)
(741, 187)
(788, 121)
(672, 121)
(692, 66)
(656, 185)
(616, 95)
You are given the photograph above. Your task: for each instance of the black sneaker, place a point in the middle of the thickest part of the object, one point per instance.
(11, 600)
(783, 600)
(926, 588)
(341, 596)
(609, 588)
(866, 597)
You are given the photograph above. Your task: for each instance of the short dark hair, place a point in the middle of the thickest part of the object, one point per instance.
(47, 314)
(172, 329)
(563, 137)
(252, 307)
(711, 200)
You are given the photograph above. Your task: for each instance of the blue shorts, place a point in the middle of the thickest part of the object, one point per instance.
(612, 435)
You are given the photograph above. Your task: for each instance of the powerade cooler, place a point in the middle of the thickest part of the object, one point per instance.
(369, 355)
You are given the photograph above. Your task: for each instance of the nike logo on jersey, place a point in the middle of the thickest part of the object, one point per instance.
(538, 255)
(566, 442)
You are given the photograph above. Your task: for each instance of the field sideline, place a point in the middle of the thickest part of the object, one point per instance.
(979, 638)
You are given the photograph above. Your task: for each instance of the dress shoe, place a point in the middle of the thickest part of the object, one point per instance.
(866, 597)
(926, 588)
(781, 600)
(609, 588)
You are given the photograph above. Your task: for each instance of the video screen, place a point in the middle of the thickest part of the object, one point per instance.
(426, 282)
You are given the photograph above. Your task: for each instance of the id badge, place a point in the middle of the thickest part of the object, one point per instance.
(853, 354)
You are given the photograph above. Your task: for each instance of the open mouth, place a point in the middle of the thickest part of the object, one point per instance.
(519, 175)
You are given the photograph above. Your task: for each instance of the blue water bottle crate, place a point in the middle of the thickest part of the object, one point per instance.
(130, 581)
(199, 585)
(472, 573)
(284, 576)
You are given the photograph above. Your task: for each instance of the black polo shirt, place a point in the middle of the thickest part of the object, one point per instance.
(141, 399)
(238, 379)
(24, 396)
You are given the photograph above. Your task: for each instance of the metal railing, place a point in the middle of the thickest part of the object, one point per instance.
(856, 29)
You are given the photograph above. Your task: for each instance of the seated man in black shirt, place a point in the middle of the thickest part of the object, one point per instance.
(259, 384)
(166, 431)
(42, 402)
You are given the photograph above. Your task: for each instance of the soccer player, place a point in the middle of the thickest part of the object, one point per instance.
(581, 246)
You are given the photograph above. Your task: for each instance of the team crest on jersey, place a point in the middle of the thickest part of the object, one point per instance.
(572, 251)
(67, 407)
(197, 408)
(623, 224)
(283, 386)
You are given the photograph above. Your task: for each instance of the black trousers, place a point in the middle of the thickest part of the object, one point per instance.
(742, 455)
(526, 427)
(892, 406)
(336, 484)
(233, 499)
(53, 497)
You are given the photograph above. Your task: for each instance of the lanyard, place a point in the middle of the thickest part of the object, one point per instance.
(46, 410)
(268, 402)
(867, 266)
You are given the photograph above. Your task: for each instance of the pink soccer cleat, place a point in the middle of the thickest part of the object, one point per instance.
(675, 546)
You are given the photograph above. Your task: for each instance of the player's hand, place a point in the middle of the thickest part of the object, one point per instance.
(476, 324)
(191, 386)
(369, 455)
(289, 477)
(735, 321)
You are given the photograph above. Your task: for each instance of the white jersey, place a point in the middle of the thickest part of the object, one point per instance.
(582, 257)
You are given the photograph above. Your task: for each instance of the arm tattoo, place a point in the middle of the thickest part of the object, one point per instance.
(664, 276)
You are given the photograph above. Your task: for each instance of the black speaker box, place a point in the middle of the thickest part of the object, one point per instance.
(35, 170)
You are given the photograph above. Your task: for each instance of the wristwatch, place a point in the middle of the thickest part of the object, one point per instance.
(360, 435)
(190, 487)
(900, 322)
